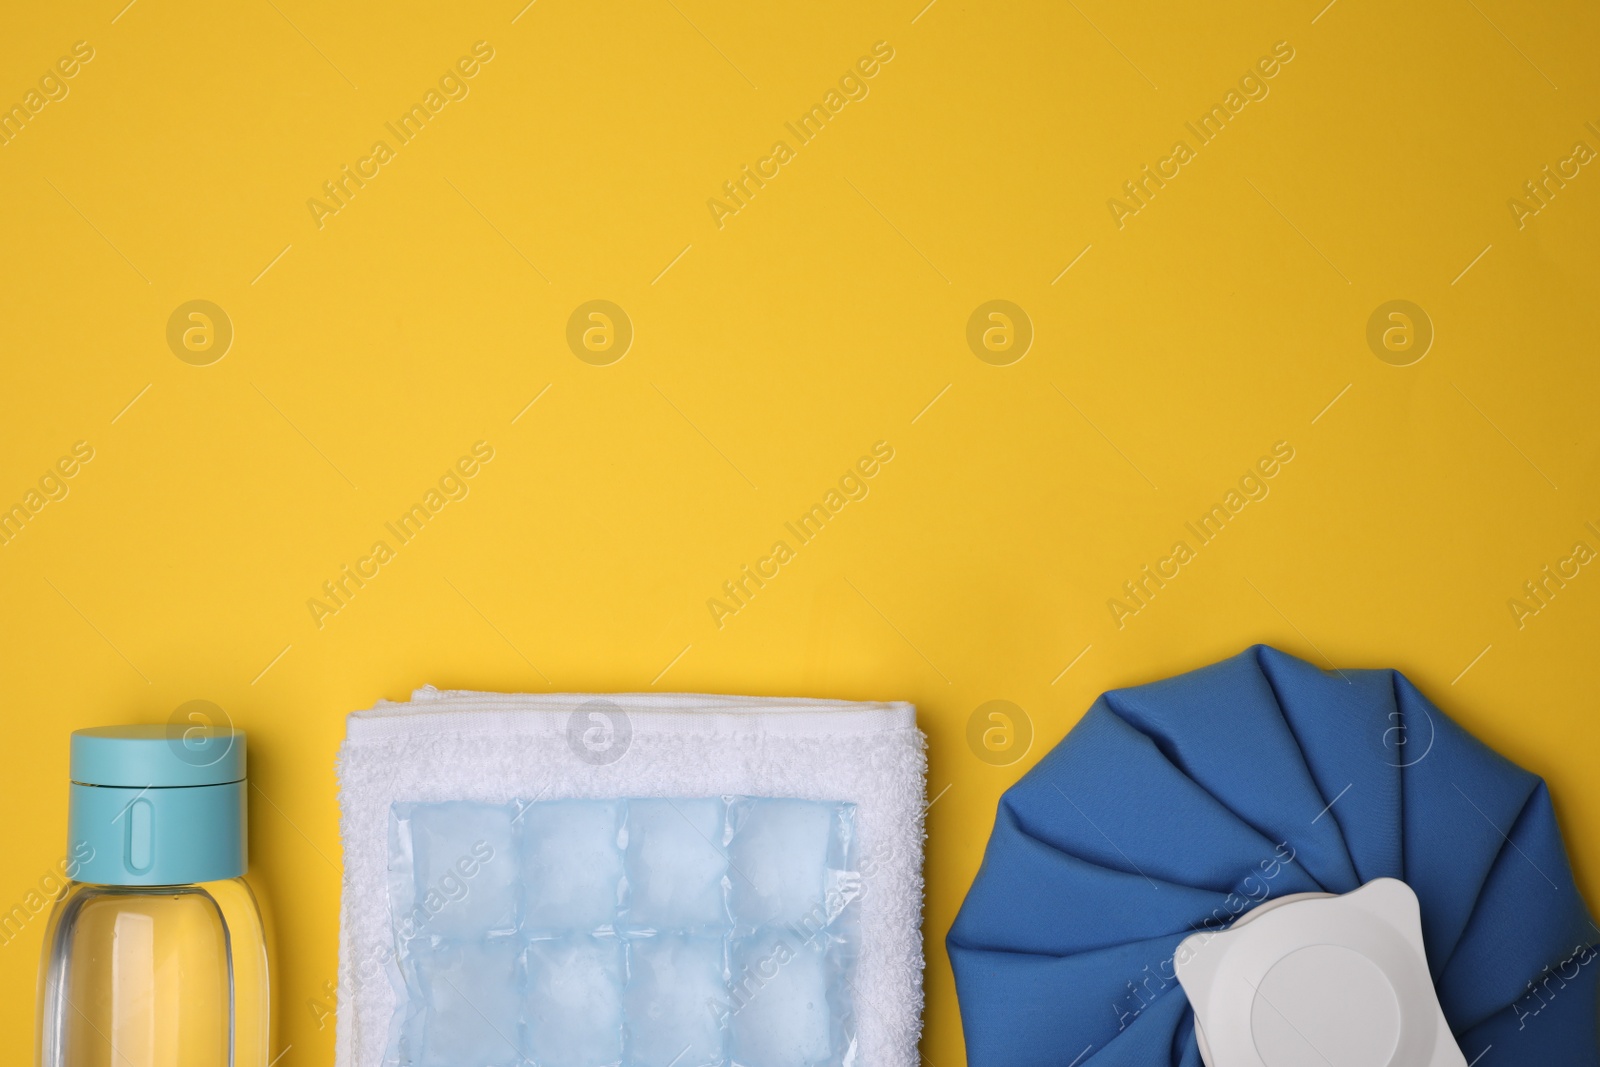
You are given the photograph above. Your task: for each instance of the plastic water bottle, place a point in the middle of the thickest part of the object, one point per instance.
(155, 956)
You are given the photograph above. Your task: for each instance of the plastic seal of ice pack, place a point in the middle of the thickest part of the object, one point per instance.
(1319, 978)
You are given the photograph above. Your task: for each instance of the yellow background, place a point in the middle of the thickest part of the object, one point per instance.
(768, 355)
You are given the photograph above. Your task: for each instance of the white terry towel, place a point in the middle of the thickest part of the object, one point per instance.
(493, 748)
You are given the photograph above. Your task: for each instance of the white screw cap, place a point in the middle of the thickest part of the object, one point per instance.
(1318, 980)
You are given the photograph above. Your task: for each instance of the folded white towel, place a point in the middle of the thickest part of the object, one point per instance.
(494, 748)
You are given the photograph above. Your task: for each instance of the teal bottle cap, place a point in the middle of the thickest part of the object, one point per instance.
(158, 757)
(157, 805)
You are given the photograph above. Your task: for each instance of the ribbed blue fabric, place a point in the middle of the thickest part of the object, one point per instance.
(1180, 805)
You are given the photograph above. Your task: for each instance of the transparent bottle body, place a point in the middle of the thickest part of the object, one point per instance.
(154, 976)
